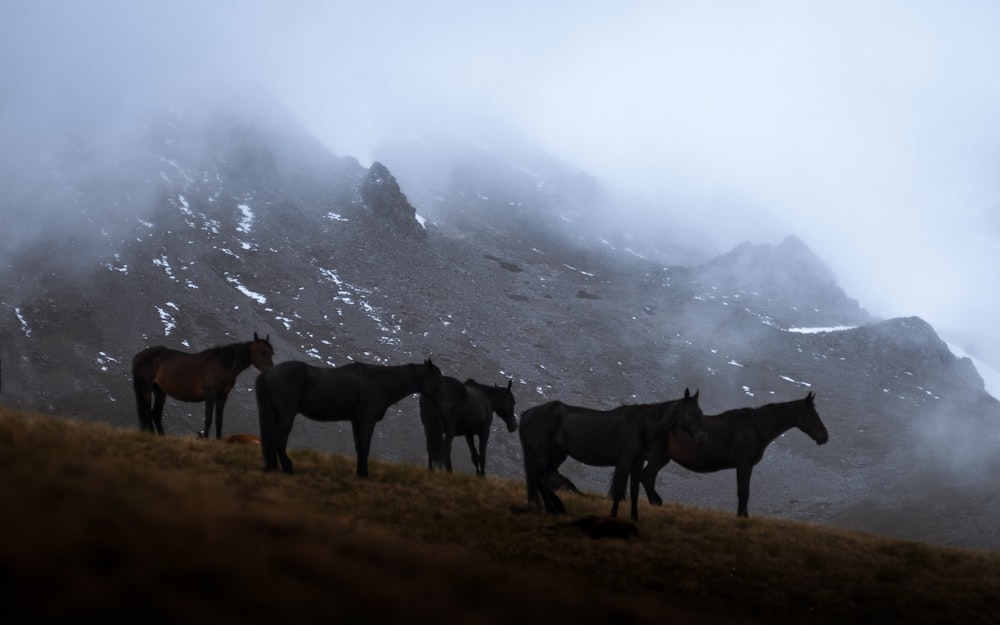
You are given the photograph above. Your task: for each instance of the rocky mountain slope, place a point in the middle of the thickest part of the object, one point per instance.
(218, 227)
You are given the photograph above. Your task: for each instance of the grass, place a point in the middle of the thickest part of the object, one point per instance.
(107, 523)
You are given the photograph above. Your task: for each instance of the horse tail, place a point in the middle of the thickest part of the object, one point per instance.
(530, 463)
(142, 401)
(534, 449)
(144, 366)
(433, 422)
(267, 420)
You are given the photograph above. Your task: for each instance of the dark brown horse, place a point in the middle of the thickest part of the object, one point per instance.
(206, 376)
(359, 393)
(470, 414)
(618, 438)
(736, 440)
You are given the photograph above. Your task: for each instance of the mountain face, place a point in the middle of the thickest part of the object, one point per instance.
(215, 228)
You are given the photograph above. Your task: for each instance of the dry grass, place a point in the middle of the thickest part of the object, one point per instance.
(106, 523)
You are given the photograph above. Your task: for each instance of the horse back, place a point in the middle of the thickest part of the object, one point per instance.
(539, 424)
(337, 393)
(731, 441)
(145, 362)
(599, 437)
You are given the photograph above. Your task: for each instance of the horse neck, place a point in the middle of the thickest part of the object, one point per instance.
(398, 381)
(659, 419)
(236, 356)
(494, 394)
(770, 422)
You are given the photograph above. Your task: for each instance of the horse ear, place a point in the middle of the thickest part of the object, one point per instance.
(509, 382)
(255, 336)
(811, 396)
(687, 393)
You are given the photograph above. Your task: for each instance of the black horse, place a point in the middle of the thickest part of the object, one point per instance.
(470, 414)
(359, 393)
(206, 376)
(736, 440)
(619, 437)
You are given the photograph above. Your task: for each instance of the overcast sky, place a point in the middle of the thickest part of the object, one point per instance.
(869, 129)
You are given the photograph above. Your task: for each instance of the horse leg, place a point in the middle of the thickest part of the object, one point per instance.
(656, 459)
(268, 450)
(618, 483)
(634, 488)
(363, 429)
(477, 458)
(553, 504)
(159, 398)
(220, 405)
(209, 410)
(554, 457)
(743, 488)
(449, 437)
(282, 428)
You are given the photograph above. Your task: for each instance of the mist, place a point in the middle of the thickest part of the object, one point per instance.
(867, 129)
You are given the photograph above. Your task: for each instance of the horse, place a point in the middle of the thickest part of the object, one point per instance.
(207, 376)
(736, 440)
(359, 392)
(619, 437)
(470, 414)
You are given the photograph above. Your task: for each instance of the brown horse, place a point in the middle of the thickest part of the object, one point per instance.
(736, 440)
(206, 376)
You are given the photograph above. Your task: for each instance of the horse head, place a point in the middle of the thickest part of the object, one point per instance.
(689, 416)
(261, 352)
(505, 407)
(807, 420)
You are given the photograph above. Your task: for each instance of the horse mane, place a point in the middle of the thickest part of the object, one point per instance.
(230, 354)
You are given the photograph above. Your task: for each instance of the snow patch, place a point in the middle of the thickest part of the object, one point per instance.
(233, 280)
(169, 324)
(246, 222)
(990, 376)
(793, 381)
(24, 324)
(820, 330)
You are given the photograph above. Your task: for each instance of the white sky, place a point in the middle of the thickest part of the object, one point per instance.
(869, 129)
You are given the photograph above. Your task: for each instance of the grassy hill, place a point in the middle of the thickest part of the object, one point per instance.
(108, 523)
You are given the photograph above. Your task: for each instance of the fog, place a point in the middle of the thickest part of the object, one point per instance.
(868, 129)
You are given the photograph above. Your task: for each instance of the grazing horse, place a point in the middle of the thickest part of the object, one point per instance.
(736, 440)
(619, 437)
(206, 376)
(470, 414)
(359, 393)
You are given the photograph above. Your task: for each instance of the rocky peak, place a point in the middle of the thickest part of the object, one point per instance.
(788, 275)
(381, 195)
